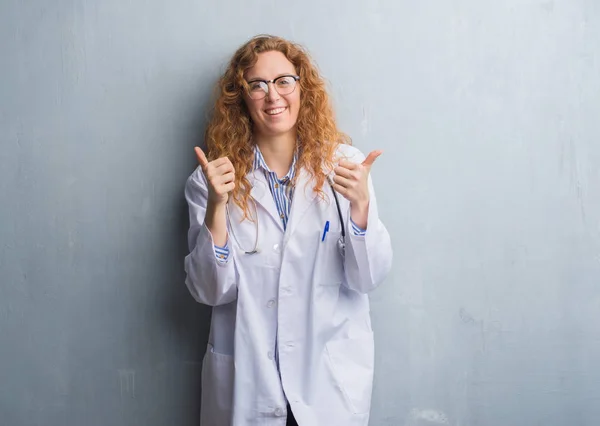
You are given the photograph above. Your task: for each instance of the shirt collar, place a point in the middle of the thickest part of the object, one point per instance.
(259, 163)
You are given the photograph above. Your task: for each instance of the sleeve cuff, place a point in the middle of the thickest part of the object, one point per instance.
(222, 253)
(359, 232)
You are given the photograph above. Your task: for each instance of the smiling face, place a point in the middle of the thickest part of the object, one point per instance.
(275, 114)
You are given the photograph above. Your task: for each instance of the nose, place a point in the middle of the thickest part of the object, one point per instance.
(272, 94)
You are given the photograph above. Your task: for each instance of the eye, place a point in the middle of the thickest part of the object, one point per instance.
(285, 81)
(255, 86)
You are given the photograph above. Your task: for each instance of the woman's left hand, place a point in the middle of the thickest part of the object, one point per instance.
(351, 180)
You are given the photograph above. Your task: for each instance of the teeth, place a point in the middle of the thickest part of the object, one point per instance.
(275, 111)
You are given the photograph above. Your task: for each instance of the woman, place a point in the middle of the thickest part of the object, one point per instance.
(286, 267)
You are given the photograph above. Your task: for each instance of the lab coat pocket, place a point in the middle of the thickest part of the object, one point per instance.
(329, 263)
(217, 389)
(351, 362)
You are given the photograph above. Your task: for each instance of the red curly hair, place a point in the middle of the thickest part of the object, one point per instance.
(229, 131)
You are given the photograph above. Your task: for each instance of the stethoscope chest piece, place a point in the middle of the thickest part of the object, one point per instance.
(341, 244)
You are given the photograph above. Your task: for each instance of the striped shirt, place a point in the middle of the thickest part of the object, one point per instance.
(282, 190)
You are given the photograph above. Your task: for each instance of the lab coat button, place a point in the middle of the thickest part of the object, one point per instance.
(270, 354)
(270, 303)
(278, 412)
(277, 248)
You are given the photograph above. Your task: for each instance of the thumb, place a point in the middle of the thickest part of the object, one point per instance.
(371, 158)
(201, 157)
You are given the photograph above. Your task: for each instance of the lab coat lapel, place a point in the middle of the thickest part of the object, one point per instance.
(262, 195)
(304, 197)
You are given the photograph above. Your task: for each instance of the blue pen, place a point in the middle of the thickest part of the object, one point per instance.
(325, 230)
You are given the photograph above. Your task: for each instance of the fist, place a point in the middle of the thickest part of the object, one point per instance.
(220, 176)
(351, 179)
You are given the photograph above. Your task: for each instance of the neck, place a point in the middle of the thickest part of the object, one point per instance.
(278, 151)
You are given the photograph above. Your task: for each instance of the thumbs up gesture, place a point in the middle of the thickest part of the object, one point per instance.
(351, 180)
(220, 176)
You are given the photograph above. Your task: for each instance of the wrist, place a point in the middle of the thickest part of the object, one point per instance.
(359, 206)
(214, 209)
(215, 221)
(359, 213)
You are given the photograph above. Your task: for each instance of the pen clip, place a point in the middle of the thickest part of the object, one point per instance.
(325, 230)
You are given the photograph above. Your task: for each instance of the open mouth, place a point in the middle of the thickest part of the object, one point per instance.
(275, 111)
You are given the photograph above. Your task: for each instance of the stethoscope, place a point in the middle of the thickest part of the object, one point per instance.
(341, 243)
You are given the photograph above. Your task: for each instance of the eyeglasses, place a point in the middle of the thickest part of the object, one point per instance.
(284, 85)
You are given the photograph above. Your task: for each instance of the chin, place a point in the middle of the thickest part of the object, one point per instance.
(278, 130)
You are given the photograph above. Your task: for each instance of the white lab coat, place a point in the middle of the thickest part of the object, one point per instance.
(298, 297)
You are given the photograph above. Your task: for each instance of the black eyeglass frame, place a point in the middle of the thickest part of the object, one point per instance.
(266, 84)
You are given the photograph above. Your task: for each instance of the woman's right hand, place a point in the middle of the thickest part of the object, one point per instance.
(220, 176)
